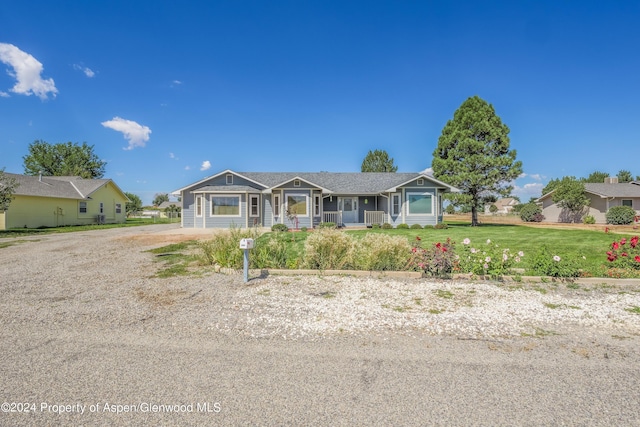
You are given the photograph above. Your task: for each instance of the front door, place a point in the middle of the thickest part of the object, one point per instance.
(349, 208)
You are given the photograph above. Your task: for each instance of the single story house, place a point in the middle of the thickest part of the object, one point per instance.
(305, 199)
(54, 201)
(504, 206)
(602, 196)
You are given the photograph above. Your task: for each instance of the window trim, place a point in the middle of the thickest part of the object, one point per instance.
(420, 181)
(276, 205)
(394, 211)
(419, 193)
(118, 208)
(237, 196)
(306, 203)
(101, 208)
(296, 183)
(198, 206)
(316, 205)
(253, 197)
(81, 206)
(626, 200)
(229, 178)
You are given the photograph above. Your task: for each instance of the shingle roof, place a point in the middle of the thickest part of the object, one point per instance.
(65, 187)
(613, 190)
(226, 189)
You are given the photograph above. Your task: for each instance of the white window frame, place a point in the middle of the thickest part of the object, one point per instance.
(82, 207)
(316, 205)
(420, 193)
(420, 181)
(118, 208)
(198, 206)
(306, 202)
(229, 179)
(253, 197)
(276, 205)
(237, 196)
(296, 183)
(394, 211)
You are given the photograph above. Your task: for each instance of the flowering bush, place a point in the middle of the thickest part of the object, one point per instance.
(487, 259)
(547, 263)
(438, 260)
(625, 253)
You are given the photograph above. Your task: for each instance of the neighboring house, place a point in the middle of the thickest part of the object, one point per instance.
(504, 206)
(53, 201)
(246, 199)
(602, 196)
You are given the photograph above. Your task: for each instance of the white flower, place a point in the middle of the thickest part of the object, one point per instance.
(487, 259)
(556, 258)
(517, 259)
(488, 241)
(466, 241)
(505, 257)
(520, 253)
(473, 250)
(486, 266)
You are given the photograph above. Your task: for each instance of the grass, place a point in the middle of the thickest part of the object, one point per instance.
(175, 262)
(131, 222)
(635, 309)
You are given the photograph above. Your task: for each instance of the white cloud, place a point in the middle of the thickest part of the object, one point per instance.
(206, 165)
(187, 168)
(26, 71)
(136, 134)
(86, 70)
(428, 171)
(176, 83)
(534, 176)
(173, 156)
(4, 94)
(532, 189)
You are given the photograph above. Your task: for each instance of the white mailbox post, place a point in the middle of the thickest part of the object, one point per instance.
(246, 244)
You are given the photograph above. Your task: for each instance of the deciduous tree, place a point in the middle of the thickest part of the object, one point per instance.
(63, 159)
(7, 189)
(473, 154)
(134, 205)
(159, 198)
(569, 194)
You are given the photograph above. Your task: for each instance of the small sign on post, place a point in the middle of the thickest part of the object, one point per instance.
(246, 244)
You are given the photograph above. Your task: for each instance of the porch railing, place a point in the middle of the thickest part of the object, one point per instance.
(374, 217)
(332, 216)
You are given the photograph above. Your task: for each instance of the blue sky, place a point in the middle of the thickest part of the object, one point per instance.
(170, 92)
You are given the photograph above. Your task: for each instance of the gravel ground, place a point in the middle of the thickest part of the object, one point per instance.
(85, 324)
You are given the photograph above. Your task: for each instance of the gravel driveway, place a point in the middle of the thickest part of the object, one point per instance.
(90, 337)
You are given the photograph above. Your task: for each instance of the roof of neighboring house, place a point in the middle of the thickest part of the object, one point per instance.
(626, 189)
(507, 201)
(362, 183)
(165, 205)
(64, 187)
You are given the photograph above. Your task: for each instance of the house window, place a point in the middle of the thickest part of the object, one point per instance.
(395, 204)
(83, 207)
(276, 205)
(297, 204)
(420, 203)
(226, 205)
(421, 182)
(101, 207)
(118, 208)
(627, 202)
(254, 208)
(296, 183)
(198, 205)
(229, 179)
(316, 205)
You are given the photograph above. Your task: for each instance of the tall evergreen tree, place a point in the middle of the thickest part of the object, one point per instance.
(7, 189)
(473, 154)
(378, 161)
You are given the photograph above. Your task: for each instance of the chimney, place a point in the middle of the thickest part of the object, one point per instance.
(611, 180)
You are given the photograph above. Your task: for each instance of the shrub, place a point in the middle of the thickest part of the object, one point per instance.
(428, 227)
(329, 225)
(279, 227)
(416, 227)
(441, 226)
(328, 249)
(270, 252)
(304, 229)
(381, 252)
(402, 226)
(619, 215)
(375, 226)
(589, 219)
(387, 226)
(531, 212)
(493, 209)
(224, 248)
(437, 260)
(547, 263)
(487, 259)
(450, 210)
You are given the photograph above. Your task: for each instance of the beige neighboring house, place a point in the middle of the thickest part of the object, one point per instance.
(504, 206)
(54, 201)
(602, 196)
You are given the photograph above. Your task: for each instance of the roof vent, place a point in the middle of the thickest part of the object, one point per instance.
(611, 180)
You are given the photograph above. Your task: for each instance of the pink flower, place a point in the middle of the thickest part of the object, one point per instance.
(487, 259)
(474, 250)
(520, 253)
(637, 258)
(486, 266)
(624, 254)
(623, 241)
(466, 241)
(615, 246)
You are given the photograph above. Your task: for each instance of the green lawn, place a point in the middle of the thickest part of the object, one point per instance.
(131, 222)
(566, 243)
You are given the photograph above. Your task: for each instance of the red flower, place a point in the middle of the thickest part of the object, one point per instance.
(615, 246)
(418, 238)
(606, 229)
(444, 249)
(624, 254)
(623, 241)
(438, 245)
(634, 241)
(637, 258)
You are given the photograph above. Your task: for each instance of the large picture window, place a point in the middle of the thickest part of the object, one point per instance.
(225, 205)
(297, 204)
(420, 203)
